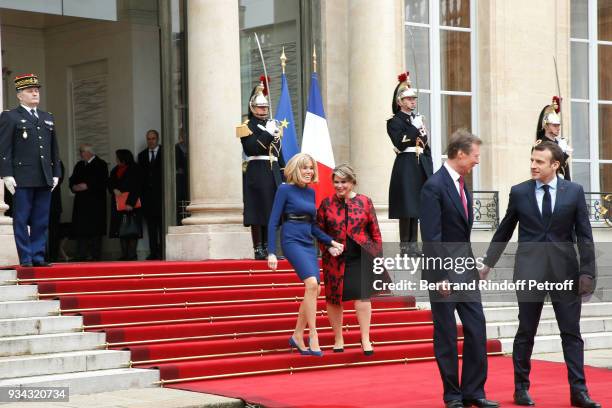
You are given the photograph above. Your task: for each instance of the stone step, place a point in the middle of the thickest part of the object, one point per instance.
(51, 343)
(26, 326)
(90, 382)
(61, 363)
(510, 313)
(7, 276)
(29, 308)
(549, 327)
(18, 292)
(552, 344)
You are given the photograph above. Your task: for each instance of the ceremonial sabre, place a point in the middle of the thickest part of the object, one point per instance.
(416, 76)
(265, 75)
(559, 94)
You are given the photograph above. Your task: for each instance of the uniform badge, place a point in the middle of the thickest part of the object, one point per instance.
(23, 121)
(24, 134)
(48, 122)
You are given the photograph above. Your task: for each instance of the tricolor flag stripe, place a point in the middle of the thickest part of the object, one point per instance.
(316, 141)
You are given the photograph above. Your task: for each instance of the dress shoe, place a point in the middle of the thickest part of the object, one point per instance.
(453, 404)
(480, 402)
(260, 253)
(26, 264)
(582, 400)
(41, 263)
(338, 350)
(522, 397)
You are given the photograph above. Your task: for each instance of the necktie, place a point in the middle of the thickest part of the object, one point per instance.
(546, 205)
(152, 152)
(462, 195)
(33, 113)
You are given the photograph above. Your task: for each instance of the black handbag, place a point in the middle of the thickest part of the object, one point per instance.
(130, 226)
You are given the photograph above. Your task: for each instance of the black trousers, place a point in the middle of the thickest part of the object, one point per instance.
(567, 312)
(474, 369)
(89, 247)
(154, 227)
(408, 228)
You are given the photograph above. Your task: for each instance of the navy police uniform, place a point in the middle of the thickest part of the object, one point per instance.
(29, 153)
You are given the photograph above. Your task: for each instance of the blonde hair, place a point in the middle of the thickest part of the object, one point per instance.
(344, 171)
(297, 162)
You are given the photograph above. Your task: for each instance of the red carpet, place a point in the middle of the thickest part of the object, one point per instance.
(203, 320)
(398, 385)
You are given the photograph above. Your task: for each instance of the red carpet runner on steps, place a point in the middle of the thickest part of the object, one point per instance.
(224, 319)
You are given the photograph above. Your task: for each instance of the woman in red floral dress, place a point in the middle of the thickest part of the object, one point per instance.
(349, 218)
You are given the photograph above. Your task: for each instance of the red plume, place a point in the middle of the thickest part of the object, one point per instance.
(403, 76)
(262, 79)
(557, 100)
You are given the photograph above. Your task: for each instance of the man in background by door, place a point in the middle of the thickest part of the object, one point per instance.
(88, 183)
(150, 159)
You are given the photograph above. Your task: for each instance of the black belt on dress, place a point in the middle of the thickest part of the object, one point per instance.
(297, 217)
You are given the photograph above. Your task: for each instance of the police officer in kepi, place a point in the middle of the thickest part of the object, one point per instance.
(29, 168)
(261, 142)
(412, 166)
(549, 129)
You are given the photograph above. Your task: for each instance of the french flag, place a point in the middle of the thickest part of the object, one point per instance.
(317, 143)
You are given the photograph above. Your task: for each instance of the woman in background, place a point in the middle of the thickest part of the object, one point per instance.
(125, 177)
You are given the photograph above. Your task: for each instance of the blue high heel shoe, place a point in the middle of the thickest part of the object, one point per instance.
(318, 353)
(293, 344)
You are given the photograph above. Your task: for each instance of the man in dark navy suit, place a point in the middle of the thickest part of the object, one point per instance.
(30, 168)
(550, 212)
(446, 224)
(150, 159)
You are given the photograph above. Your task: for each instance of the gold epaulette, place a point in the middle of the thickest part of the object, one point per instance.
(243, 129)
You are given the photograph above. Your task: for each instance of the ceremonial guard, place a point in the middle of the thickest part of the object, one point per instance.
(29, 168)
(413, 163)
(261, 141)
(549, 129)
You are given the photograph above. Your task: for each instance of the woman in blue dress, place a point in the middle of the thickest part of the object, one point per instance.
(294, 203)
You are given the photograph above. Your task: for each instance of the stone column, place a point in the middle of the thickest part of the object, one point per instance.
(376, 49)
(8, 250)
(516, 45)
(214, 229)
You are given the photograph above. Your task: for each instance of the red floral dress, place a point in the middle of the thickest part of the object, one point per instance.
(362, 228)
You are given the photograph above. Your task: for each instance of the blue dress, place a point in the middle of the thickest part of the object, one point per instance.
(297, 236)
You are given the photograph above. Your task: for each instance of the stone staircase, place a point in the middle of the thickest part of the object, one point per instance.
(38, 347)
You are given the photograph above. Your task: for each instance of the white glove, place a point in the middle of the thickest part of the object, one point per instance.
(10, 184)
(55, 181)
(417, 121)
(564, 146)
(272, 127)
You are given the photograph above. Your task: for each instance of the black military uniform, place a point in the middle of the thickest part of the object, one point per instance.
(413, 165)
(553, 109)
(262, 174)
(29, 153)
(89, 209)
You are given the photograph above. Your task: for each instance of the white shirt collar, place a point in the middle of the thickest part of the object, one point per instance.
(154, 150)
(454, 175)
(552, 184)
(29, 109)
(92, 157)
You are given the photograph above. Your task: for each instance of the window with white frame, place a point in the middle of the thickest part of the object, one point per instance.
(591, 93)
(441, 58)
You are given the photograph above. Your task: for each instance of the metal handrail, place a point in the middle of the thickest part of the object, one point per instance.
(234, 317)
